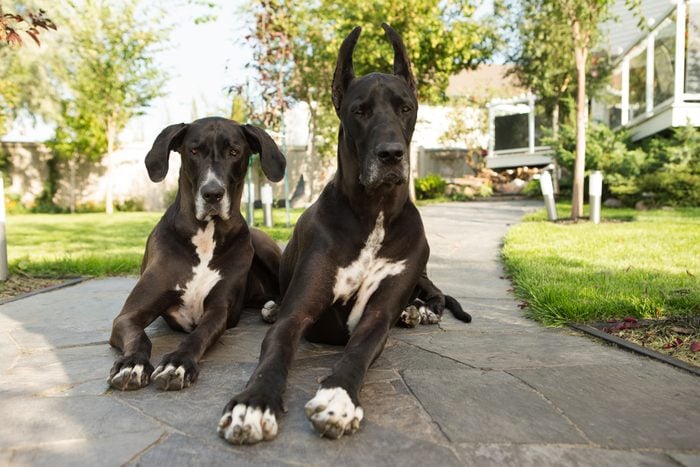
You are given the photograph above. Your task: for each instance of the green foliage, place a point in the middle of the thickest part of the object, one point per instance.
(665, 170)
(532, 189)
(430, 186)
(672, 175)
(298, 43)
(607, 151)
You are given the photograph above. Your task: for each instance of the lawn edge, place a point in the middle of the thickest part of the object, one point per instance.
(631, 346)
(67, 283)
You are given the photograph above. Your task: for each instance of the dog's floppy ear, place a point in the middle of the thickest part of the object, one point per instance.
(402, 65)
(157, 158)
(344, 71)
(271, 158)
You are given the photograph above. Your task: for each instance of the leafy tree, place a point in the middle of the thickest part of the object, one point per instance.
(555, 57)
(295, 48)
(110, 74)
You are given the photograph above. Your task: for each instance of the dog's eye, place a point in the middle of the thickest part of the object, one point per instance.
(406, 108)
(193, 151)
(359, 110)
(233, 152)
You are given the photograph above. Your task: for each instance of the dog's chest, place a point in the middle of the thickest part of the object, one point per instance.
(362, 277)
(204, 278)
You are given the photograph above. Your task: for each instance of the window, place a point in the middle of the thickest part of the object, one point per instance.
(638, 84)
(664, 61)
(692, 49)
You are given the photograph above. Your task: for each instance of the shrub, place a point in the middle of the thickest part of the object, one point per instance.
(430, 186)
(130, 205)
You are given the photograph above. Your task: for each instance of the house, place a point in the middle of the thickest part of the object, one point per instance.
(655, 84)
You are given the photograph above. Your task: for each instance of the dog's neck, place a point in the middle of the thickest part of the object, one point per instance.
(390, 200)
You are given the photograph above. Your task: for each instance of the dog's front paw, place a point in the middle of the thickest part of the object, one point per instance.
(175, 372)
(130, 373)
(248, 421)
(410, 317)
(431, 311)
(269, 311)
(333, 414)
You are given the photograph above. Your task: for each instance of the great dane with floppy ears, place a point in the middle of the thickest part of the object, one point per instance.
(202, 264)
(357, 257)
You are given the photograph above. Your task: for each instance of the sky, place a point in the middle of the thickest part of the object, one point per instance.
(202, 61)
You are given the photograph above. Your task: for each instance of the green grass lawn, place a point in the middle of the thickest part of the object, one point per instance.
(644, 264)
(93, 244)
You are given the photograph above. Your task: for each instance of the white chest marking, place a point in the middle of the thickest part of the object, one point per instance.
(203, 280)
(361, 278)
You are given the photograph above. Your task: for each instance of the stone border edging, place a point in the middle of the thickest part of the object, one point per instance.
(67, 283)
(631, 346)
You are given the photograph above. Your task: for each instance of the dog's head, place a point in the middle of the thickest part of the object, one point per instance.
(214, 155)
(377, 114)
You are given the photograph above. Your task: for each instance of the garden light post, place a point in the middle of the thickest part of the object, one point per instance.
(548, 194)
(4, 274)
(595, 193)
(249, 191)
(266, 198)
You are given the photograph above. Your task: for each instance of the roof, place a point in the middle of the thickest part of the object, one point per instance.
(624, 33)
(487, 79)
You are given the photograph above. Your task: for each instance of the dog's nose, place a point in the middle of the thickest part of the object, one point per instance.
(212, 192)
(389, 152)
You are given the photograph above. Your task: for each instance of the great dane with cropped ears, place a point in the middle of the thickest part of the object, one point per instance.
(202, 263)
(356, 259)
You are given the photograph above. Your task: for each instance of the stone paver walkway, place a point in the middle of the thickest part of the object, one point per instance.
(500, 391)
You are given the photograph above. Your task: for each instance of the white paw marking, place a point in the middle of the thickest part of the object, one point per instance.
(203, 280)
(361, 278)
(130, 378)
(333, 414)
(269, 312)
(247, 425)
(170, 378)
(427, 316)
(410, 316)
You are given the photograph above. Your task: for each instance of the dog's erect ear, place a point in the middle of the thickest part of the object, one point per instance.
(157, 158)
(344, 71)
(271, 158)
(402, 65)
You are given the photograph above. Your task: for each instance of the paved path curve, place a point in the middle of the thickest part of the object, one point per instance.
(500, 391)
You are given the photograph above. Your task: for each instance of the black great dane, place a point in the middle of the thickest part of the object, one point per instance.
(202, 264)
(356, 259)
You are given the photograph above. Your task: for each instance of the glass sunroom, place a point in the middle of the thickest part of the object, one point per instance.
(655, 84)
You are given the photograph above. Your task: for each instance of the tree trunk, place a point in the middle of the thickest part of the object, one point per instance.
(581, 52)
(555, 120)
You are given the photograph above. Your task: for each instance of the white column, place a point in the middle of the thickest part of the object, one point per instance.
(679, 75)
(531, 123)
(625, 103)
(650, 73)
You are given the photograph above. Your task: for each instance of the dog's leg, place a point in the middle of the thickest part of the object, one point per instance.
(251, 416)
(145, 303)
(179, 369)
(335, 409)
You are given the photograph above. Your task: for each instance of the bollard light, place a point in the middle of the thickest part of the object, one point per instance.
(595, 193)
(548, 195)
(4, 272)
(266, 198)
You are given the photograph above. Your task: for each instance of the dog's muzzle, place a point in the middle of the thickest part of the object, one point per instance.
(388, 165)
(212, 201)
